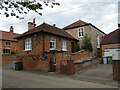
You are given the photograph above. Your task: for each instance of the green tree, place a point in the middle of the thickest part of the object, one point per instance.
(13, 7)
(87, 45)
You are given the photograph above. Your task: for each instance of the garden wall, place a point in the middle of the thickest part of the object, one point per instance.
(72, 67)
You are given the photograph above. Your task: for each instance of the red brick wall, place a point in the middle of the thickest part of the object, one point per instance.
(72, 68)
(40, 42)
(78, 56)
(69, 68)
(12, 47)
(7, 59)
(85, 64)
(116, 69)
(64, 66)
(39, 45)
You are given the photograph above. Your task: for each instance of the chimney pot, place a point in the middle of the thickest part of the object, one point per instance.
(54, 25)
(34, 21)
(11, 29)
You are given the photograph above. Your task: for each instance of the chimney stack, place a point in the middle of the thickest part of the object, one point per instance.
(31, 25)
(11, 29)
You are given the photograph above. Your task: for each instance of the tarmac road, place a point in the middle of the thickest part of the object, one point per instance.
(20, 79)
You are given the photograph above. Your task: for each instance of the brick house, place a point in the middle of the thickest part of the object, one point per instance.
(8, 45)
(43, 38)
(79, 28)
(111, 47)
(111, 44)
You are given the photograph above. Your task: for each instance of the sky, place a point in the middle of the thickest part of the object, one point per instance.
(101, 13)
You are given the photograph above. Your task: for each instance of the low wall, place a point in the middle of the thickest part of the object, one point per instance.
(72, 68)
(85, 64)
(36, 65)
(35, 62)
(78, 56)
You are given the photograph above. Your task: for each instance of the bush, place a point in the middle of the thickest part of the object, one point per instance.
(87, 45)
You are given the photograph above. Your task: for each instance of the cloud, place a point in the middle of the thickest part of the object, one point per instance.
(102, 14)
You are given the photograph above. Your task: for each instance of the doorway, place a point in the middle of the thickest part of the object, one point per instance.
(72, 47)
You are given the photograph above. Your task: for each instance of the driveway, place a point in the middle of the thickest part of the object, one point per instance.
(101, 73)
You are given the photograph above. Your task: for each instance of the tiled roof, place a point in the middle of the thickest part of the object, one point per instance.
(76, 24)
(49, 29)
(4, 35)
(80, 23)
(111, 38)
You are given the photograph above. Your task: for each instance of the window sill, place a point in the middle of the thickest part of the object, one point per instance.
(64, 50)
(80, 36)
(6, 53)
(28, 50)
(7, 45)
(52, 49)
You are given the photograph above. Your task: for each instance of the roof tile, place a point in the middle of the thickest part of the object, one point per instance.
(4, 35)
(111, 38)
(49, 29)
(76, 24)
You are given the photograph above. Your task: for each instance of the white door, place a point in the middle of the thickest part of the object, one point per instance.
(115, 53)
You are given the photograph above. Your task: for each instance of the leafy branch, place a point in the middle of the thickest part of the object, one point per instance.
(10, 8)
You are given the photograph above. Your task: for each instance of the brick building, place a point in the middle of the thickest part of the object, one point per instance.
(44, 38)
(111, 47)
(8, 45)
(79, 28)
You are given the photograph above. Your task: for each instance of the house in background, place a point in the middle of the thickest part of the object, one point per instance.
(43, 38)
(79, 28)
(111, 47)
(111, 44)
(8, 45)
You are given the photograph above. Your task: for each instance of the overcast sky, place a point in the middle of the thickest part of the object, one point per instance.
(101, 13)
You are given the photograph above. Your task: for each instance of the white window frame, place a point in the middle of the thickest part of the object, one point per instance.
(98, 41)
(5, 51)
(8, 44)
(80, 31)
(53, 43)
(28, 44)
(64, 45)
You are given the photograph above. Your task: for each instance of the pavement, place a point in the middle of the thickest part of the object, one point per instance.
(100, 74)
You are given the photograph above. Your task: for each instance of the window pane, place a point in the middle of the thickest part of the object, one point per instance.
(28, 44)
(53, 43)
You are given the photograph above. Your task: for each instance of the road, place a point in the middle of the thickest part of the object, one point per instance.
(20, 79)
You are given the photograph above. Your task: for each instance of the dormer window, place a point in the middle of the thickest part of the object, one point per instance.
(28, 44)
(80, 32)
